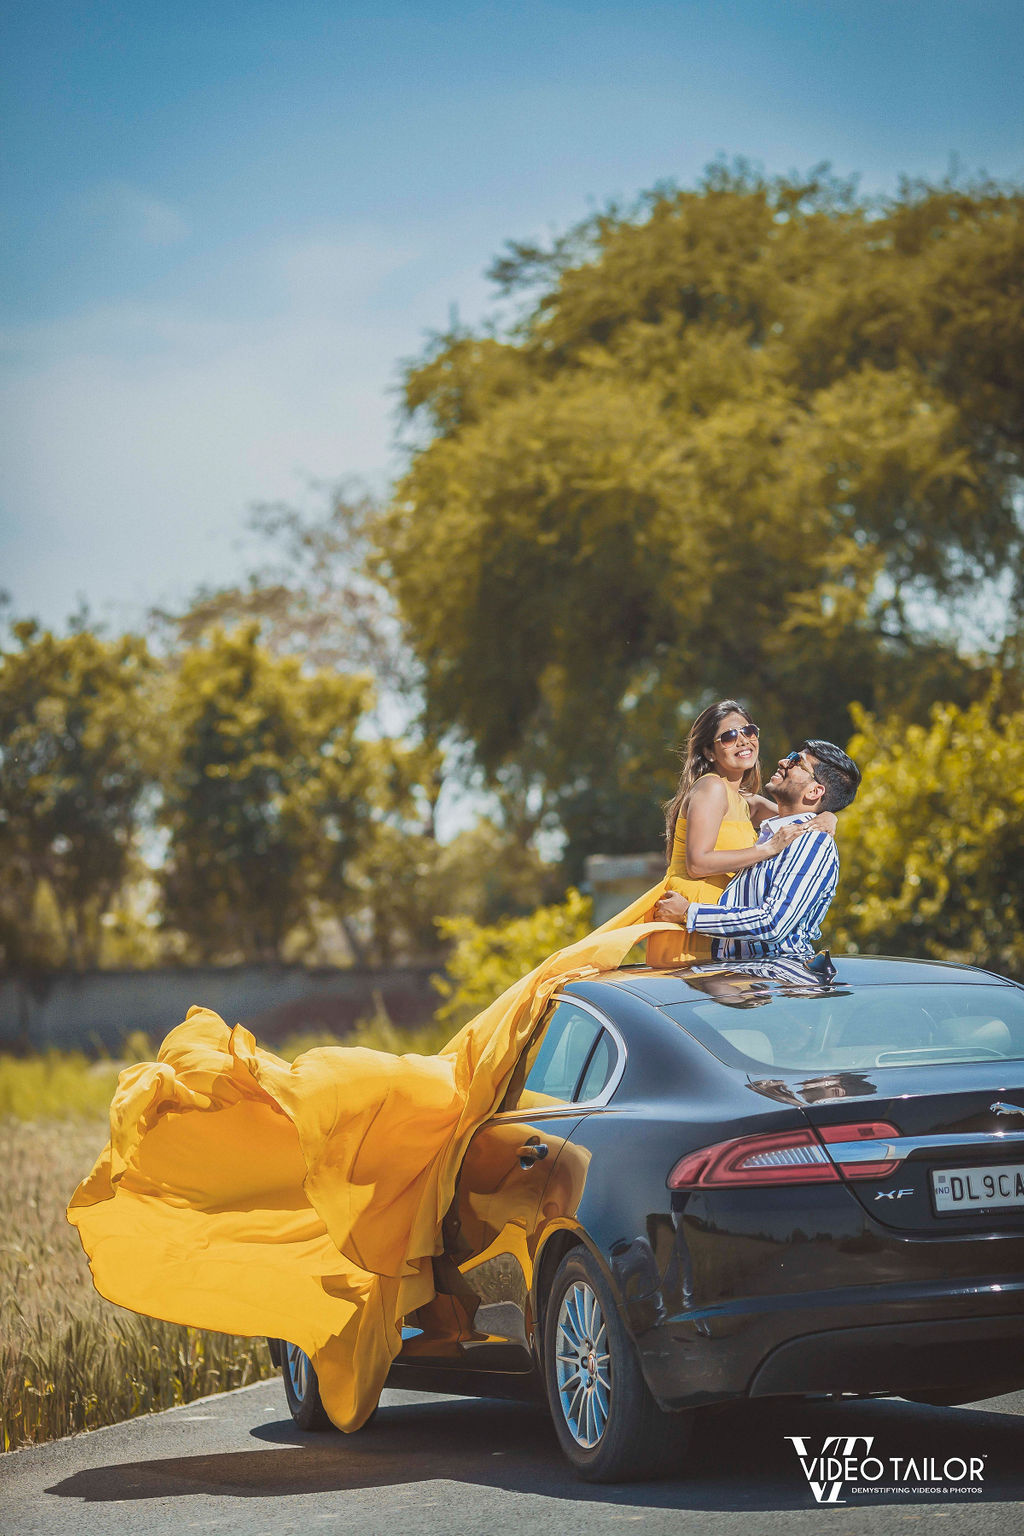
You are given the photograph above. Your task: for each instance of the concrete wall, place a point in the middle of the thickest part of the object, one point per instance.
(97, 1009)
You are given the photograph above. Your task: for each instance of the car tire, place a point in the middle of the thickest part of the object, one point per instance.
(607, 1422)
(302, 1389)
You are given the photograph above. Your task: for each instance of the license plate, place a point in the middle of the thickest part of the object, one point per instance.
(968, 1189)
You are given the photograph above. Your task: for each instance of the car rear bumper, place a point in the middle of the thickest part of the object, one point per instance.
(875, 1338)
(897, 1358)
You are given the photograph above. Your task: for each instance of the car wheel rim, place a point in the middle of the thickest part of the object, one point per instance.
(583, 1365)
(299, 1368)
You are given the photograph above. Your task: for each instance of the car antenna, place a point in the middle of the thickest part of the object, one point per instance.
(822, 967)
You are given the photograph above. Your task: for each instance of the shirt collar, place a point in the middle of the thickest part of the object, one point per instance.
(773, 823)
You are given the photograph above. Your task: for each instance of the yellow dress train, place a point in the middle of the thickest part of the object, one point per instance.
(676, 946)
(304, 1201)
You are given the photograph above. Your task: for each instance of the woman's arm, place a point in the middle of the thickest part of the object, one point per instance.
(760, 807)
(705, 813)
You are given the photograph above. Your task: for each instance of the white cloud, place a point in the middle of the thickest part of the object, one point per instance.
(130, 213)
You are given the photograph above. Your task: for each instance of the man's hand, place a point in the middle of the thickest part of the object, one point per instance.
(671, 908)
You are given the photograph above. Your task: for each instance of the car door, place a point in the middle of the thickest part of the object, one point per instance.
(522, 1171)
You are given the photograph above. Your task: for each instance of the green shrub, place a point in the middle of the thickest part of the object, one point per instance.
(487, 959)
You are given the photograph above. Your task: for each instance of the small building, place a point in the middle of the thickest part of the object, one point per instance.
(612, 880)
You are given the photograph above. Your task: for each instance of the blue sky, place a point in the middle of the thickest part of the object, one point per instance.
(227, 223)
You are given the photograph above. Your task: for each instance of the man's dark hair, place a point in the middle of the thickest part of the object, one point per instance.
(837, 772)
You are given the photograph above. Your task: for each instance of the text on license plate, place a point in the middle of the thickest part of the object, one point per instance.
(964, 1189)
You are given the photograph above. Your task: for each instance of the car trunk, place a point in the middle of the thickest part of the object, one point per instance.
(956, 1162)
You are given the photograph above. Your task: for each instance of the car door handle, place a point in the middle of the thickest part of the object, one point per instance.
(532, 1153)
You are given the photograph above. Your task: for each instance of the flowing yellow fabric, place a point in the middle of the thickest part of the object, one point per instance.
(677, 946)
(305, 1201)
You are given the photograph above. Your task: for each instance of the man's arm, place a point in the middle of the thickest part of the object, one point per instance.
(808, 868)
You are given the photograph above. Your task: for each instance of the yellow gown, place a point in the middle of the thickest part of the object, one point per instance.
(304, 1201)
(676, 946)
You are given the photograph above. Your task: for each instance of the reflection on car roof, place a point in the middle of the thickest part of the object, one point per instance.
(728, 980)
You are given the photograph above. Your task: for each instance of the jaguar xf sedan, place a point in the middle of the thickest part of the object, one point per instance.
(738, 1180)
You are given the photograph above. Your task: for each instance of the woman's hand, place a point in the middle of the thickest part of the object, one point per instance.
(825, 821)
(782, 838)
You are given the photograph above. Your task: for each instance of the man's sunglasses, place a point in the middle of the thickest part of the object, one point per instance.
(798, 757)
(752, 732)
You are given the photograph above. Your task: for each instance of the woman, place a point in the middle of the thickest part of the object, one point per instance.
(711, 822)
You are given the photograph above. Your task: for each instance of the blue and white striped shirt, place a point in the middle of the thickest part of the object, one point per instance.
(775, 907)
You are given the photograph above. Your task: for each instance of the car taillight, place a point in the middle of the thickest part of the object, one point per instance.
(857, 1142)
(785, 1157)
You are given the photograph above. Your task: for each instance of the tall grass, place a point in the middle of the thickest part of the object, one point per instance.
(56, 1084)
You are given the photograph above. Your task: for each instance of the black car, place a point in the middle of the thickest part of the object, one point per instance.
(732, 1181)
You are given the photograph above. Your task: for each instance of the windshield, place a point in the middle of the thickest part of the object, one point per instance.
(895, 1026)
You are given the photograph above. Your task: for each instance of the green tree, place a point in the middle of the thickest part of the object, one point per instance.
(314, 598)
(933, 846)
(408, 880)
(761, 437)
(268, 795)
(75, 760)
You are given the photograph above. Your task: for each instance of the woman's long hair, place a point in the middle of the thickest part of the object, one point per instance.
(696, 762)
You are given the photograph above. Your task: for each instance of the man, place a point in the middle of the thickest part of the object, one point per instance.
(776, 907)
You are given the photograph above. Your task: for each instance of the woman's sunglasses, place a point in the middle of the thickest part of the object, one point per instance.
(752, 732)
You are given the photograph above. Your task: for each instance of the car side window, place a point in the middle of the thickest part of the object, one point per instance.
(599, 1069)
(549, 1069)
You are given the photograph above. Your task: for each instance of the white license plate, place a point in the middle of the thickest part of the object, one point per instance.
(968, 1189)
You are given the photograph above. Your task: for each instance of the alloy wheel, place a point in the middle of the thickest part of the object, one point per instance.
(583, 1365)
(299, 1367)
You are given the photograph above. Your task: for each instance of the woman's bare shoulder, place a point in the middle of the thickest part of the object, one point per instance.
(709, 790)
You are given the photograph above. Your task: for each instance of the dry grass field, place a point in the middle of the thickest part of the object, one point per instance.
(68, 1359)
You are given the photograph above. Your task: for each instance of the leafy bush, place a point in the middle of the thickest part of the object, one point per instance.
(487, 959)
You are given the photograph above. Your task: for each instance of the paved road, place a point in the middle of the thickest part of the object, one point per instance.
(432, 1465)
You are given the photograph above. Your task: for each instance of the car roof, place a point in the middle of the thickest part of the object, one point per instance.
(665, 988)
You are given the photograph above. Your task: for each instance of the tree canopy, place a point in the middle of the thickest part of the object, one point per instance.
(759, 438)
(267, 794)
(224, 802)
(933, 846)
(75, 759)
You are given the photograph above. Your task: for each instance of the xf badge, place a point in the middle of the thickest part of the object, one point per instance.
(892, 1194)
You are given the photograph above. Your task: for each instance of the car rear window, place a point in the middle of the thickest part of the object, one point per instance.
(892, 1026)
